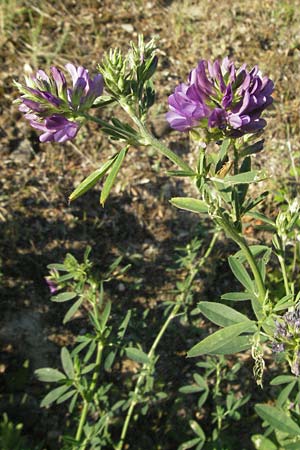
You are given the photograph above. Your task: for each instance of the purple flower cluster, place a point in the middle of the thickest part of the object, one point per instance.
(287, 335)
(54, 108)
(219, 96)
(289, 326)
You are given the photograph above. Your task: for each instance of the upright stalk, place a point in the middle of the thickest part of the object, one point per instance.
(241, 242)
(85, 409)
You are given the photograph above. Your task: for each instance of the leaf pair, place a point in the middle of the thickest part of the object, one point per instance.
(228, 340)
(114, 164)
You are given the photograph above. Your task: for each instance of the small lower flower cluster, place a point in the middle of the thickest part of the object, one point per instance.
(287, 338)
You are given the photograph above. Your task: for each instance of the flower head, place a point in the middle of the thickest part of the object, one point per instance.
(53, 107)
(287, 334)
(219, 96)
(51, 285)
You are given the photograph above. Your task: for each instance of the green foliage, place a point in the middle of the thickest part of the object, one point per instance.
(226, 406)
(11, 435)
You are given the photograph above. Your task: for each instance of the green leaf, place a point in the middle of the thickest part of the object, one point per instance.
(251, 149)
(250, 203)
(49, 375)
(277, 419)
(190, 204)
(240, 273)
(73, 402)
(220, 314)
(181, 173)
(112, 175)
(66, 396)
(91, 180)
(137, 355)
(239, 344)
(63, 278)
(53, 395)
(202, 399)
(292, 446)
(191, 389)
(105, 315)
(262, 443)
(63, 297)
(67, 363)
(89, 368)
(244, 178)
(109, 360)
(285, 302)
(190, 444)
(220, 338)
(282, 379)
(224, 149)
(263, 218)
(72, 310)
(237, 296)
(200, 381)
(197, 429)
(57, 266)
(284, 394)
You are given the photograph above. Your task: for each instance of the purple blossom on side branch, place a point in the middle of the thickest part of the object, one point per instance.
(54, 108)
(287, 334)
(51, 285)
(222, 98)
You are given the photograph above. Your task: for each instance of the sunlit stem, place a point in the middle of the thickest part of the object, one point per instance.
(82, 420)
(284, 274)
(143, 373)
(235, 191)
(85, 409)
(151, 140)
(242, 243)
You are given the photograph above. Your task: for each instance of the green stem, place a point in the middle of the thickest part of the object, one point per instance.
(242, 243)
(82, 420)
(162, 331)
(234, 188)
(95, 119)
(209, 249)
(85, 409)
(284, 274)
(152, 141)
(147, 137)
(143, 375)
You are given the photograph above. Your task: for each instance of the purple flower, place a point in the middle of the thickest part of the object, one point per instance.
(51, 285)
(219, 96)
(277, 348)
(52, 107)
(85, 90)
(56, 128)
(186, 108)
(287, 334)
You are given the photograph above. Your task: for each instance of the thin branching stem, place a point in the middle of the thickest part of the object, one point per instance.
(151, 353)
(91, 390)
